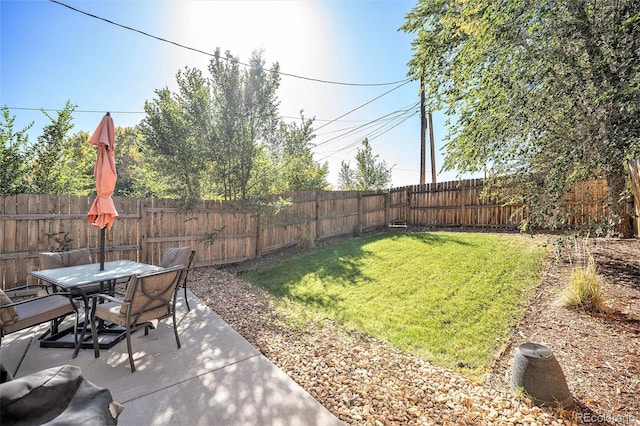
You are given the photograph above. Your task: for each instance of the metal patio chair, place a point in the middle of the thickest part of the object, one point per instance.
(31, 311)
(149, 296)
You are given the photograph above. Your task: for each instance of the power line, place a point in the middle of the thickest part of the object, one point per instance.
(364, 125)
(213, 55)
(323, 119)
(365, 104)
(380, 131)
(367, 123)
(284, 164)
(76, 110)
(114, 111)
(372, 134)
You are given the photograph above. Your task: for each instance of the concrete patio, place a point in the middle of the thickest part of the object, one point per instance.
(217, 377)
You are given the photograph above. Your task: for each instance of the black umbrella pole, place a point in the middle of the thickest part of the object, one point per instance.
(102, 232)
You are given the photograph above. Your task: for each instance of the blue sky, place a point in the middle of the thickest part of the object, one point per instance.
(51, 54)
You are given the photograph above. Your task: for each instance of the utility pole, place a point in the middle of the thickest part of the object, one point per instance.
(423, 125)
(433, 150)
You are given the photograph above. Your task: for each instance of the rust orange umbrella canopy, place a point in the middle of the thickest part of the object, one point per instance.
(103, 212)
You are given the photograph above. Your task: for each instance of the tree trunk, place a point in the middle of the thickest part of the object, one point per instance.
(619, 213)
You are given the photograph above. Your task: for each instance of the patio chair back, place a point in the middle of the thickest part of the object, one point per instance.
(150, 296)
(180, 256)
(175, 256)
(62, 259)
(53, 260)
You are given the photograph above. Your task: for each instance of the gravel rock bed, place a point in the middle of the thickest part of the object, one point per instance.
(359, 379)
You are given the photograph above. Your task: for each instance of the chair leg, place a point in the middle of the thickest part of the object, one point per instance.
(133, 367)
(186, 300)
(76, 324)
(94, 336)
(175, 328)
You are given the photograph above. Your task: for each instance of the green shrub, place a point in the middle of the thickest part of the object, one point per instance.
(584, 290)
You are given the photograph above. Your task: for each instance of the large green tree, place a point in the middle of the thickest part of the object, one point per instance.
(543, 94)
(220, 136)
(51, 167)
(173, 134)
(370, 173)
(245, 110)
(81, 162)
(135, 178)
(292, 159)
(14, 156)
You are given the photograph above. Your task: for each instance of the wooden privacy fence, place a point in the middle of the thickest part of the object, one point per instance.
(230, 232)
(459, 203)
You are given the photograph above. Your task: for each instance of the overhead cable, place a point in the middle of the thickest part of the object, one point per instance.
(114, 111)
(75, 110)
(363, 105)
(370, 137)
(213, 55)
(285, 163)
(364, 125)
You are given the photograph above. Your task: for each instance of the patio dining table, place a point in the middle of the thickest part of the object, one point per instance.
(80, 277)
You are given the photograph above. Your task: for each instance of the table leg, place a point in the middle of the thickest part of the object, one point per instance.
(87, 318)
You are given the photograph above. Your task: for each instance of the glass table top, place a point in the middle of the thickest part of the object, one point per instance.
(74, 276)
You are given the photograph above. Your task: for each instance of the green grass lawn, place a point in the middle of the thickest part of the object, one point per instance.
(447, 297)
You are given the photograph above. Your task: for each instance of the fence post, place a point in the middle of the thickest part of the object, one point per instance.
(359, 212)
(314, 225)
(257, 254)
(408, 207)
(317, 213)
(143, 231)
(462, 221)
(387, 201)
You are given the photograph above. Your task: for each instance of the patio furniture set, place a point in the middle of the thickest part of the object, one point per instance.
(61, 395)
(72, 282)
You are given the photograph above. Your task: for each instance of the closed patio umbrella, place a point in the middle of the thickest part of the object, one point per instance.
(103, 212)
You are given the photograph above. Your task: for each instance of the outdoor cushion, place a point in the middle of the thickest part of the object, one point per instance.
(52, 260)
(37, 311)
(8, 314)
(113, 312)
(58, 395)
(175, 257)
(78, 257)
